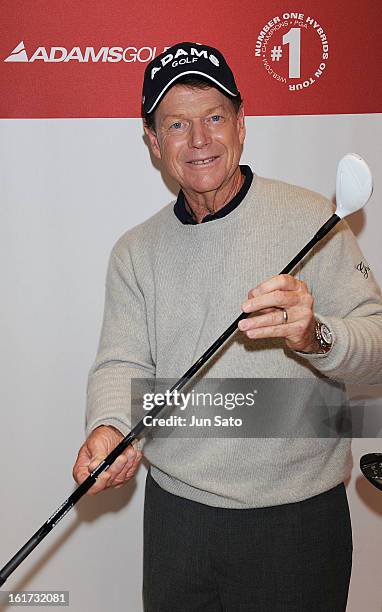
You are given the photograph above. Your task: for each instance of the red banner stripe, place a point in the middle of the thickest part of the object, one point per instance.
(86, 59)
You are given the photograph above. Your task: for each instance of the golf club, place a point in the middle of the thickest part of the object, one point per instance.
(371, 468)
(353, 189)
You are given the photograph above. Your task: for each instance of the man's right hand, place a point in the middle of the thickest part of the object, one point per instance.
(98, 445)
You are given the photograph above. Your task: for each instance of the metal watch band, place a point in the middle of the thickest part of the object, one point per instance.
(325, 345)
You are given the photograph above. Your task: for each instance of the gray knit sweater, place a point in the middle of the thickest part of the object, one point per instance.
(172, 289)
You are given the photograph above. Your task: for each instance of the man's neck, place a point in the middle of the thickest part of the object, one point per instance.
(202, 204)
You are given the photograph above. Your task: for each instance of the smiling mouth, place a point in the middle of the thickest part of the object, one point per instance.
(203, 162)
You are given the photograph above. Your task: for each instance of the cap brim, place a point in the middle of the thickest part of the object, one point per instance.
(182, 74)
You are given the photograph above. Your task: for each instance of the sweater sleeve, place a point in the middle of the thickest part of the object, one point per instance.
(348, 299)
(123, 351)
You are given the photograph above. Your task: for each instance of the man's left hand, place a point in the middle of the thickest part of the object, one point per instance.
(269, 301)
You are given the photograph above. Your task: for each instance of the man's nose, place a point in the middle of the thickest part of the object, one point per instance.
(199, 135)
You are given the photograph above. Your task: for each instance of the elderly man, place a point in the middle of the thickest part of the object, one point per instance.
(233, 523)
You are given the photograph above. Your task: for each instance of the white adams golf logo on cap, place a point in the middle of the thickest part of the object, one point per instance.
(184, 57)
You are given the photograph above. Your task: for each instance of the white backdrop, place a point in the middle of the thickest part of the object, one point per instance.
(69, 189)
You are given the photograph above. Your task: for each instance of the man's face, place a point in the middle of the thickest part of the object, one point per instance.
(199, 137)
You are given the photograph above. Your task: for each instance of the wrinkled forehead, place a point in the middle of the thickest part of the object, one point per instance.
(191, 100)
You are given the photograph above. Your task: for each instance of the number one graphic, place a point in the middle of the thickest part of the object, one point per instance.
(293, 39)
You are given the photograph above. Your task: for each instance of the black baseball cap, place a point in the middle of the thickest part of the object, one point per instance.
(182, 59)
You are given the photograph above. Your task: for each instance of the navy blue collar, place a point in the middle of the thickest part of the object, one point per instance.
(186, 217)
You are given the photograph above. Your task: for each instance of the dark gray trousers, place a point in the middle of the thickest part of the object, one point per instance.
(289, 558)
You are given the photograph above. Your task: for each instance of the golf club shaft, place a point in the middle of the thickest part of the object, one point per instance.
(140, 426)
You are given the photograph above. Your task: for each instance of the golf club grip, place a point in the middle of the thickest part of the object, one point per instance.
(47, 526)
(23, 553)
(64, 509)
(140, 426)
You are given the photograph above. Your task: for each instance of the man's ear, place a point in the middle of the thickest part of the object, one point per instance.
(241, 123)
(154, 144)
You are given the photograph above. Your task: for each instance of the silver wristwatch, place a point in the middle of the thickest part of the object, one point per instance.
(324, 336)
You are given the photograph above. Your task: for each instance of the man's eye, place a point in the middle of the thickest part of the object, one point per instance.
(216, 118)
(176, 125)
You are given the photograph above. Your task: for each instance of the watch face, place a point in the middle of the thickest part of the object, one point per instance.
(326, 334)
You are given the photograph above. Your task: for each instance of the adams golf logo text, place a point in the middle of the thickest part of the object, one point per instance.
(85, 54)
(294, 50)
